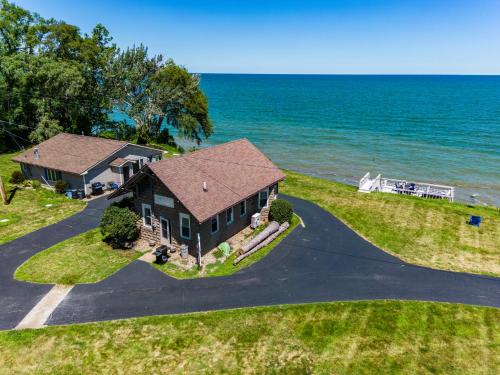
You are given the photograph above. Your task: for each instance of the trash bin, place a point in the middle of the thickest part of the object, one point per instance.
(81, 193)
(69, 194)
(97, 188)
(184, 251)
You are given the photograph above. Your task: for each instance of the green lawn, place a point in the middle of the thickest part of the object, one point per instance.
(80, 259)
(224, 268)
(28, 209)
(382, 337)
(431, 233)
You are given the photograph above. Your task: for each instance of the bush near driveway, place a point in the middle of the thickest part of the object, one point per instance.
(118, 226)
(281, 211)
(16, 177)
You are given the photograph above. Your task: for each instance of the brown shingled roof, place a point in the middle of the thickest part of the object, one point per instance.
(233, 172)
(70, 152)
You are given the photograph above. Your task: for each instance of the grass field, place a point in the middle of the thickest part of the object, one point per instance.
(431, 233)
(80, 259)
(27, 210)
(383, 337)
(226, 267)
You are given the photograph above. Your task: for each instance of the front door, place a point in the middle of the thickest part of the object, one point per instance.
(165, 231)
(126, 173)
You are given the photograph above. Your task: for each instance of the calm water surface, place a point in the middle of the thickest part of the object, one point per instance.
(443, 129)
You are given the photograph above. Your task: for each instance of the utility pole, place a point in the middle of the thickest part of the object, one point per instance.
(2, 192)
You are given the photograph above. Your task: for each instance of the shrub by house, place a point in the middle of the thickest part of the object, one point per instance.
(61, 186)
(16, 177)
(281, 211)
(118, 226)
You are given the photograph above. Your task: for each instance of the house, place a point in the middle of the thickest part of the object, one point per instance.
(82, 160)
(205, 197)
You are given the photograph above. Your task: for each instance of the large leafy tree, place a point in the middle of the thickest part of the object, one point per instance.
(157, 94)
(52, 78)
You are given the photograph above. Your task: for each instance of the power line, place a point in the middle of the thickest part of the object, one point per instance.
(13, 136)
(13, 123)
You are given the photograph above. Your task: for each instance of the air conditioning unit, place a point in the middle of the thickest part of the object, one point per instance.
(255, 222)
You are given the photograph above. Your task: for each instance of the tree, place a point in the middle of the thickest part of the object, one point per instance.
(155, 93)
(51, 76)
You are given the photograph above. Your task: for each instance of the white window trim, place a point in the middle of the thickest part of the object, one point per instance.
(144, 206)
(218, 224)
(266, 190)
(245, 206)
(184, 216)
(232, 216)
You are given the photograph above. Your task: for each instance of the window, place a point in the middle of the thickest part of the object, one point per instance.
(150, 159)
(263, 198)
(146, 215)
(215, 223)
(229, 216)
(243, 208)
(26, 169)
(52, 174)
(185, 226)
(135, 167)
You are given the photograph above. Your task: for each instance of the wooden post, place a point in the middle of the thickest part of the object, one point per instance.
(199, 250)
(3, 193)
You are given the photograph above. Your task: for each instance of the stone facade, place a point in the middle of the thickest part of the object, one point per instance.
(150, 192)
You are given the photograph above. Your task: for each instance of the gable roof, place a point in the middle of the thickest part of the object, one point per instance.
(70, 152)
(233, 171)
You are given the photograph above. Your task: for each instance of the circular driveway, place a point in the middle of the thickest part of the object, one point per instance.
(325, 261)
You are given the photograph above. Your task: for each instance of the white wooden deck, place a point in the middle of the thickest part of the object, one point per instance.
(395, 186)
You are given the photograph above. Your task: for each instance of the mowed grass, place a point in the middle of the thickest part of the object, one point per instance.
(382, 337)
(80, 259)
(226, 267)
(432, 233)
(28, 209)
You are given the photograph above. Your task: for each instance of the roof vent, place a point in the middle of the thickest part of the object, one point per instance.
(205, 187)
(36, 153)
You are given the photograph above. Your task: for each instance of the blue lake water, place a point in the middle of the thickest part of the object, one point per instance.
(443, 129)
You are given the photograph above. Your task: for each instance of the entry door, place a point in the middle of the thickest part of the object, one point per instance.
(126, 173)
(165, 231)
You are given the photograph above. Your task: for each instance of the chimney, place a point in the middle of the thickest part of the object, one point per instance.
(205, 188)
(36, 153)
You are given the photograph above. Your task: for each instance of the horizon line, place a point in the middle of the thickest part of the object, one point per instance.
(359, 74)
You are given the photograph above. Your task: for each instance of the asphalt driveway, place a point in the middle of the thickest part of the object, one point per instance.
(325, 261)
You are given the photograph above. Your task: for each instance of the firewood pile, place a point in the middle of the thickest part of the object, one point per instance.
(263, 239)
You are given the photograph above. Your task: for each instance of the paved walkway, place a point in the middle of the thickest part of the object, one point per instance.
(37, 317)
(325, 261)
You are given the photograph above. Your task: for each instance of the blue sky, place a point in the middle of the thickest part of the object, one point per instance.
(311, 36)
